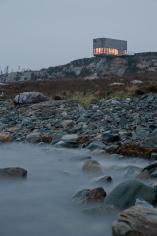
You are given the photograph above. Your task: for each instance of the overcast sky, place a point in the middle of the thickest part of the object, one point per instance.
(41, 33)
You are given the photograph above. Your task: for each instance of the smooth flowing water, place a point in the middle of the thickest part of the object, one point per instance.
(42, 204)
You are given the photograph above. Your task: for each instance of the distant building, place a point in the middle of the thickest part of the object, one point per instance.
(106, 46)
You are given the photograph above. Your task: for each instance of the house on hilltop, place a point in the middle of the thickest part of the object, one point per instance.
(107, 46)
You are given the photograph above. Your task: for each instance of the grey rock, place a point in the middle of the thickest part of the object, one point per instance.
(150, 140)
(136, 82)
(96, 195)
(13, 172)
(111, 148)
(69, 141)
(96, 145)
(92, 167)
(110, 138)
(154, 174)
(68, 123)
(67, 144)
(154, 156)
(70, 138)
(125, 194)
(34, 137)
(131, 171)
(30, 97)
(59, 144)
(136, 221)
(148, 171)
(142, 203)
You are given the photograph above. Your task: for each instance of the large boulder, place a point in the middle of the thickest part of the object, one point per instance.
(29, 98)
(125, 194)
(136, 221)
(13, 172)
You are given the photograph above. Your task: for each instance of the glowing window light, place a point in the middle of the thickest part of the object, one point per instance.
(109, 51)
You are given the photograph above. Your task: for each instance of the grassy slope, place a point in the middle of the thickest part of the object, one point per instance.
(85, 91)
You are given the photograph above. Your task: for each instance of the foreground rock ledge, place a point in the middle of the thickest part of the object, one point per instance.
(136, 221)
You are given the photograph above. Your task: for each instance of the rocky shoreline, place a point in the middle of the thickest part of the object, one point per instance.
(125, 126)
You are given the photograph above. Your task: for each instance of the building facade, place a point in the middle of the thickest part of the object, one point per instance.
(107, 46)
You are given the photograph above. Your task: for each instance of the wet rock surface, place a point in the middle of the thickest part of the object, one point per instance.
(136, 221)
(96, 195)
(13, 172)
(149, 171)
(126, 193)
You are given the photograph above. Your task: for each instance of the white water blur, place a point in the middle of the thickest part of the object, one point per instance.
(42, 204)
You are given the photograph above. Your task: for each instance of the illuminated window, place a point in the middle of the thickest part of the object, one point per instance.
(97, 50)
(101, 50)
(107, 51)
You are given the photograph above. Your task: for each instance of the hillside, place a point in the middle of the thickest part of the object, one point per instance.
(91, 68)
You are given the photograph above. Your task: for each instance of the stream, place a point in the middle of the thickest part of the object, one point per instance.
(41, 204)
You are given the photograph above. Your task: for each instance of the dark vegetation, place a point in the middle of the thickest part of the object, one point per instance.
(135, 150)
(86, 90)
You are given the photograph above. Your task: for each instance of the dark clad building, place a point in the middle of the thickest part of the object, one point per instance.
(106, 46)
